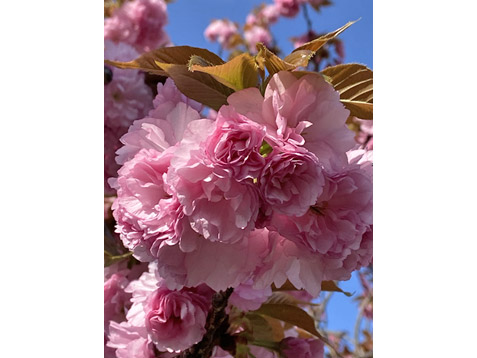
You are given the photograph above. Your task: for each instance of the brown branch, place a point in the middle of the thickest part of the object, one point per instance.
(307, 18)
(216, 326)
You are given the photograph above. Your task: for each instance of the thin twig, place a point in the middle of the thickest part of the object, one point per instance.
(357, 326)
(328, 343)
(307, 18)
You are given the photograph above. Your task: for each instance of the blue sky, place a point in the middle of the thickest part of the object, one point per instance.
(189, 18)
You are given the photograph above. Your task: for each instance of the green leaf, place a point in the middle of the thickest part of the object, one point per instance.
(239, 73)
(354, 82)
(290, 314)
(333, 287)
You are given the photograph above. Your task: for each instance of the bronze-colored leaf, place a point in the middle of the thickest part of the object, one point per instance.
(178, 55)
(239, 73)
(354, 82)
(299, 58)
(287, 286)
(317, 43)
(197, 60)
(302, 55)
(290, 314)
(300, 74)
(258, 327)
(278, 331)
(283, 297)
(348, 75)
(333, 287)
(267, 59)
(359, 109)
(199, 86)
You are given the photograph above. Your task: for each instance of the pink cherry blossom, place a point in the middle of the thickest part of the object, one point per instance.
(335, 225)
(116, 302)
(365, 134)
(271, 13)
(262, 352)
(300, 112)
(130, 341)
(146, 210)
(218, 207)
(221, 31)
(165, 124)
(126, 98)
(169, 95)
(251, 20)
(248, 298)
(284, 261)
(256, 34)
(114, 298)
(174, 320)
(357, 259)
(288, 8)
(212, 114)
(291, 181)
(304, 348)
(139, 23)
(235, 145)
(266, 16)
(218, 265)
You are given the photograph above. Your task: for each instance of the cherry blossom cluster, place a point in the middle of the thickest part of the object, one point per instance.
(126, 98)
(133, 28)
(273, 189)
(145, 319)
(139, 23)
(257, 25)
